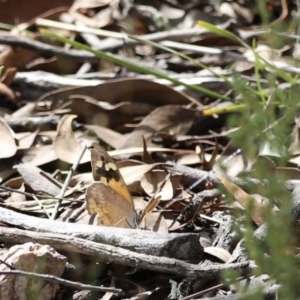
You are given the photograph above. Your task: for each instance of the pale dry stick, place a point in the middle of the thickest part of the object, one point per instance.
(183, 246)
(25, 193)
(41, 206)
(52, 278)
(32, 195)
(78, 55)
(118, 255)
(66, 183)
(202, 49)
(199, 49)
(28, 195)
(157, 36)
(80, 29)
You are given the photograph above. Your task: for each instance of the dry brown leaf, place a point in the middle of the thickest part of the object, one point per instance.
(17, 57)
(128, 90)
(263, 162)
(8, 147)
(256, 207)
(33, 176)
(205, 239)
(172, 119)
(66, 146)
(14, 183)
(139, 150)
(146, 158)
(24, 111)
(135, 173)
(110, 137)
(128, 163)
(105, 115)
(155, 222)
(152, 180)
(16, 197)
(26, 139)
(8, 76)
(6, 92)
(39, 155)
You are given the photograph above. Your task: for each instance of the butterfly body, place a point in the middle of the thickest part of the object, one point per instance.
(109, 196)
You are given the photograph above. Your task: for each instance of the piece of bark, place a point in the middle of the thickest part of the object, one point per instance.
(184, 246)
(33, 123)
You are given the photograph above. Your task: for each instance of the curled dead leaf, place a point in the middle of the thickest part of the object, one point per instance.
(66, 146)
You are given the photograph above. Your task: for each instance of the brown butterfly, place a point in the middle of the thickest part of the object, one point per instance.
(109, 196)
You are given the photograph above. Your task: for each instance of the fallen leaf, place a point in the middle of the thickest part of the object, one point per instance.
(26, 139)
(7, 141)
(151, 181)
(110, 137)
(256, 206)
(39, 155)
(66, 146)
(134, 173)
(129, 90)
(32, 175)
(172, 119)
(220, 253)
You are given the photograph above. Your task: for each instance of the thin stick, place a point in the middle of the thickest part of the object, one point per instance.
(66, 183)
(41, 206)
(76, 28)
(53, 278)
(32, 195)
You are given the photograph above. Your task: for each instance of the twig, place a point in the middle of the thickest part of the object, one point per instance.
(66, 183)
(32, 195)
(41, 206)
(78, 55)
(177, 34)
(84, 56)
(53, 278)
(77, 28)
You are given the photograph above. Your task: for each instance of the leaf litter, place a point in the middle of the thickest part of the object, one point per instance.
(172, 142)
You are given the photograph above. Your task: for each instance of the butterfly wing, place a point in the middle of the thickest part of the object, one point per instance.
(106, 171)
(112, 209)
